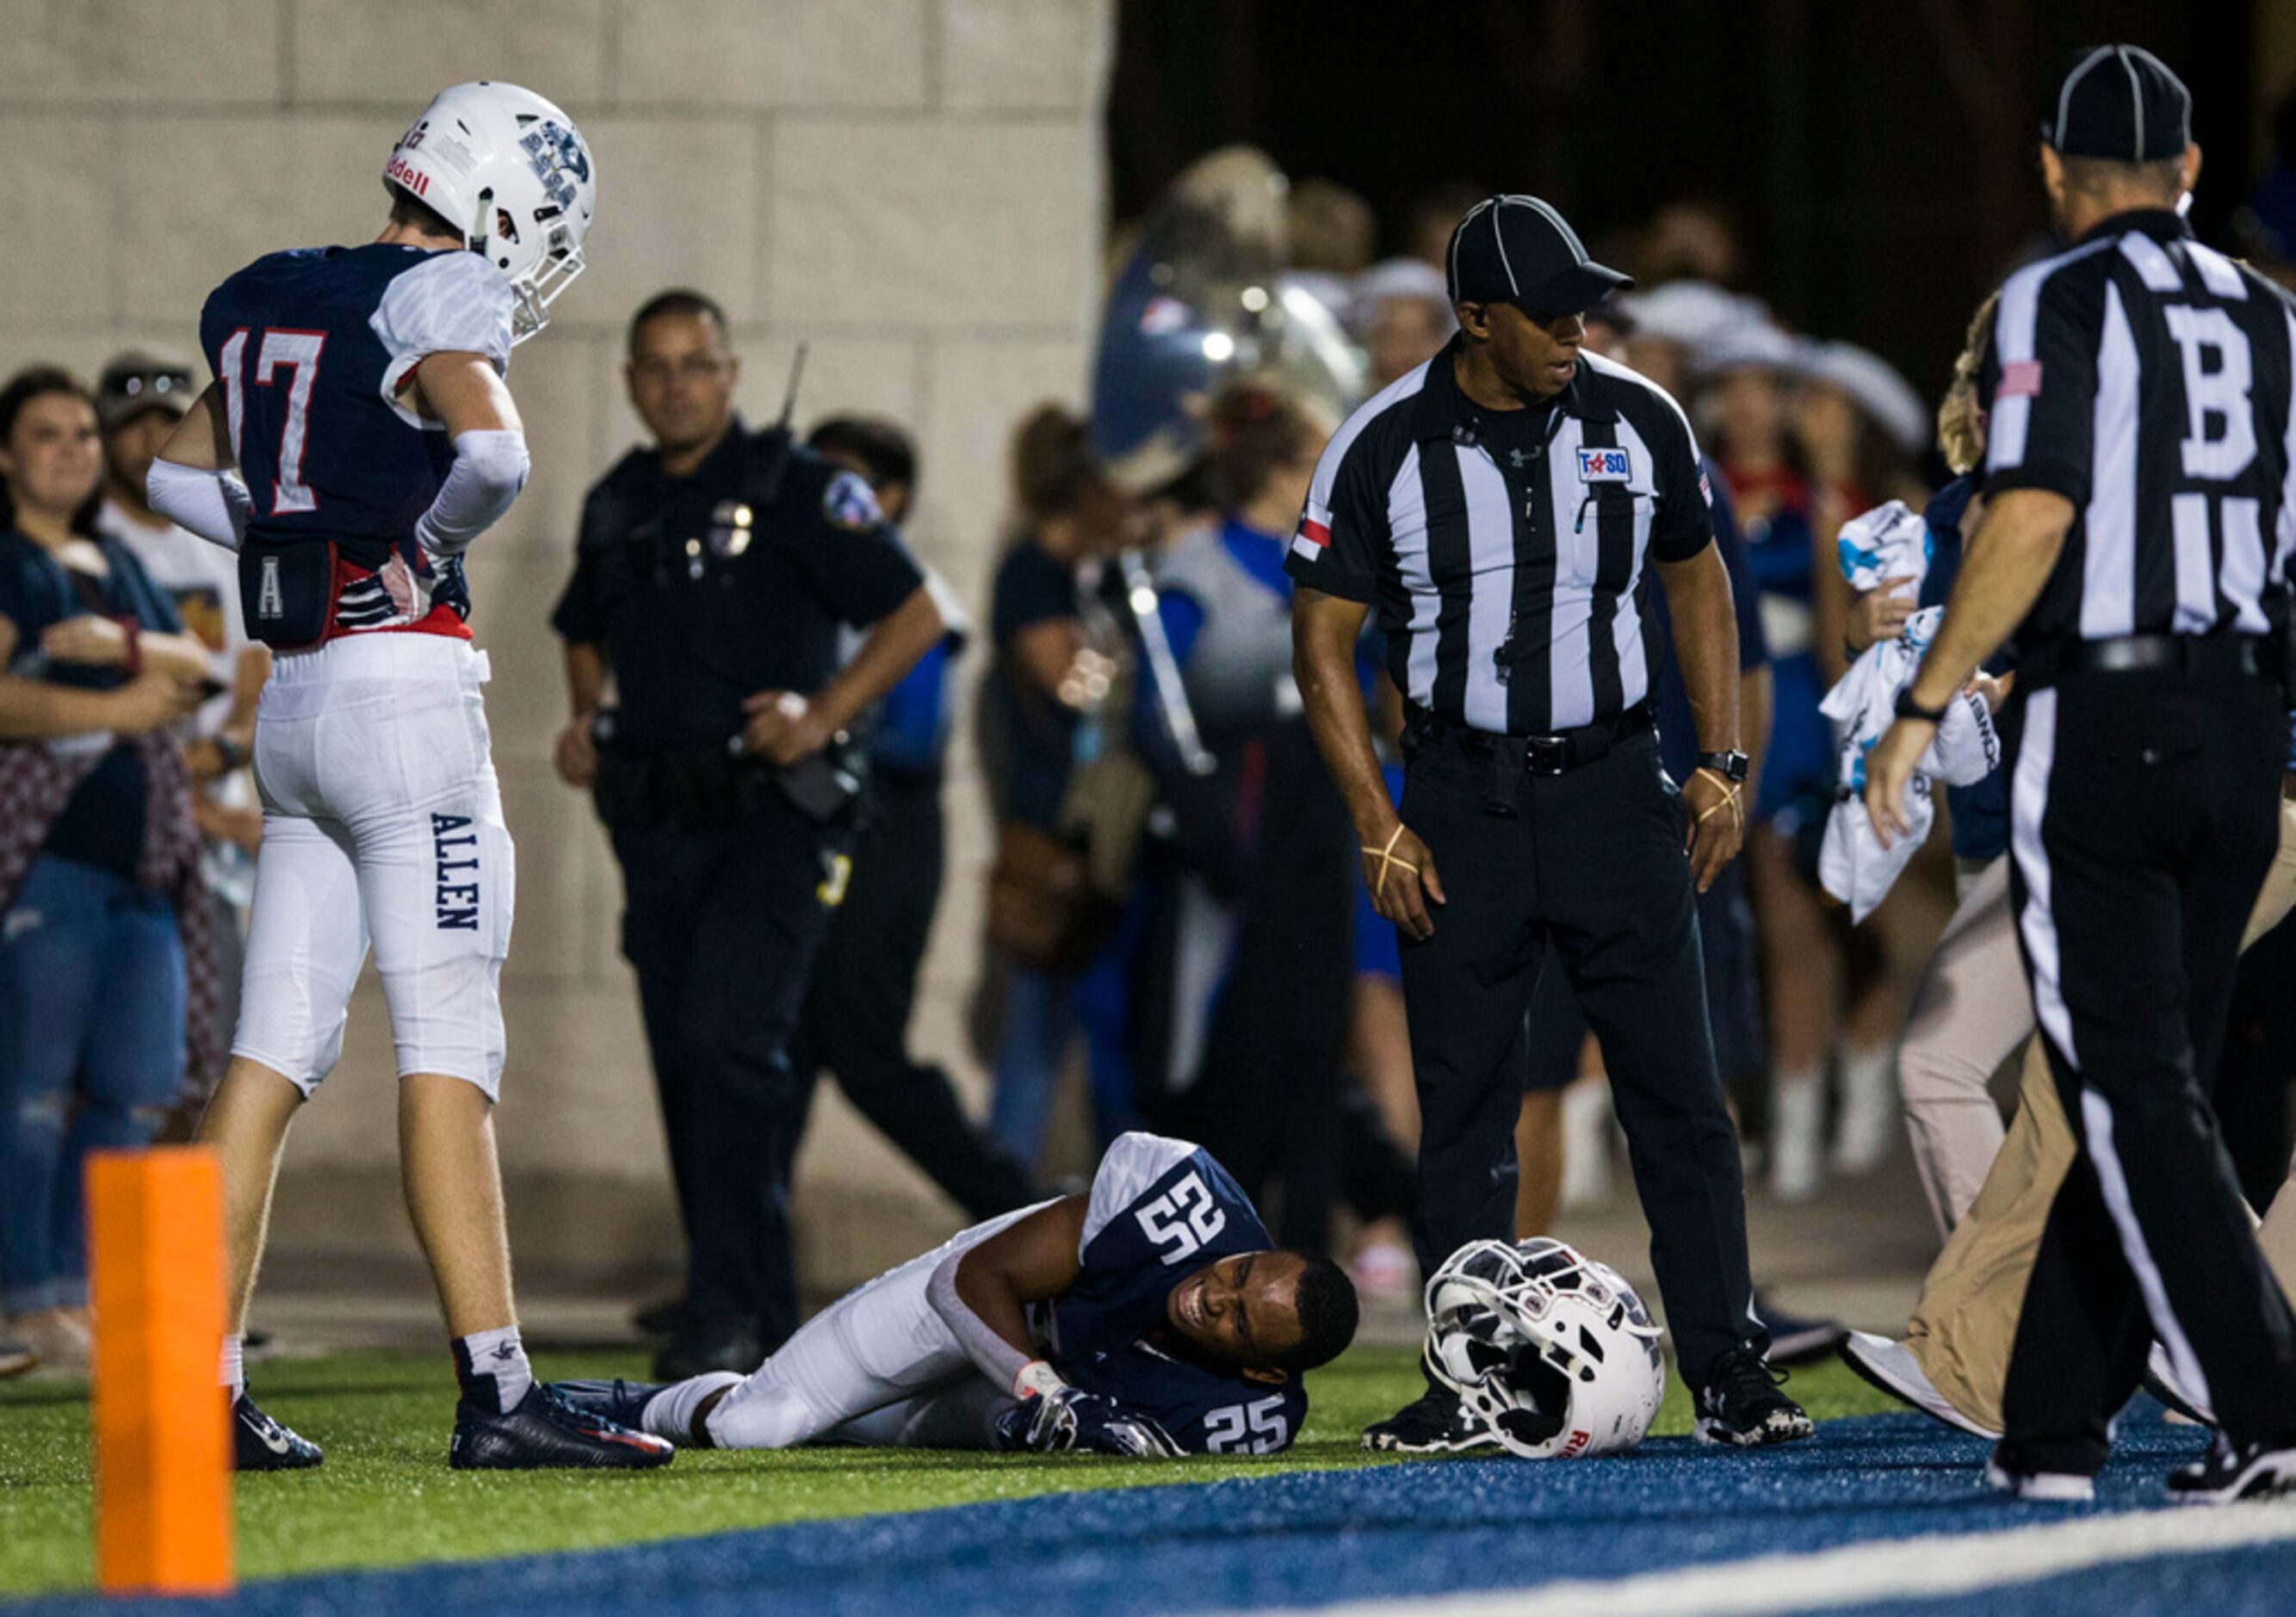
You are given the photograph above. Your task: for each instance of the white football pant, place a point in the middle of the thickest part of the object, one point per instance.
(382, 821)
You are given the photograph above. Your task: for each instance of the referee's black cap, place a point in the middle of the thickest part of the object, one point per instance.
(2120, 101)
(1515, 249)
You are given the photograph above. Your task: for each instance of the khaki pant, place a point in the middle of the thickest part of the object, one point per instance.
(1966, 1323)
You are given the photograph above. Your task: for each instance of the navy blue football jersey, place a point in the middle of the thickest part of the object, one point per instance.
(311, 347)
(1161, 1209)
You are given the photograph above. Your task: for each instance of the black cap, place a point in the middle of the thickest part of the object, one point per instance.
(1515, 249)
(2120, 101)
(141, 380)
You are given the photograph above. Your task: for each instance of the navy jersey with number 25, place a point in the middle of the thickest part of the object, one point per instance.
(1161, 1209)
(311, 347)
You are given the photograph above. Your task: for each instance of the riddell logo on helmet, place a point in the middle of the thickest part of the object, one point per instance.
(1577, 1446)
(403, 173)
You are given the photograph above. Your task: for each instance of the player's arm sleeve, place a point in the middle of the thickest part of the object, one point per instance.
(1684, 524)
(213, 505)
(995, 1357)
(489, 469)
(1130, 1166)
(851, 554)
(2041, 426)
(453, 303)
(1342, 529)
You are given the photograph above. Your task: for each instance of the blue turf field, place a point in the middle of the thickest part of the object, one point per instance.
(1401, 1532)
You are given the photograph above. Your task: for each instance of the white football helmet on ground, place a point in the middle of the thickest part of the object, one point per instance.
(511, 171)
(1552, 1350)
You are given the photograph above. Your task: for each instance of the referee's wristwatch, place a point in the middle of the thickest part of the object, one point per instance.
(1730, 766)
(1905, 707)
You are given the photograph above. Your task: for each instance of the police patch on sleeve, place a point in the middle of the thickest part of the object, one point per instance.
(850, 504)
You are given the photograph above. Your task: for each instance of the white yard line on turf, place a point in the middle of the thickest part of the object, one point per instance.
(1938, 1565)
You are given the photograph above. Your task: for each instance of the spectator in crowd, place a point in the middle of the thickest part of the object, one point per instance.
(96, 848)
(1400, 312)
(139, 399)
(1331, 235)
(1750, 370)
(1860, 426)
(1055, 657)
(1693, 239)
(1434, 213)
(865, 982)
(1264, 842)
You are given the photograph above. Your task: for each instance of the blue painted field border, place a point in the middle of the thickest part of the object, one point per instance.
(1294, 1540)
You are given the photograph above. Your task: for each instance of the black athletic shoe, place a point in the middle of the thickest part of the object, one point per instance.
(1798, 1339)
(2235, 1471)
(622, 1402)
(1434, 1423)
(259, 1443)
(723, 1344)
(546, 1432)
(1740, 1405)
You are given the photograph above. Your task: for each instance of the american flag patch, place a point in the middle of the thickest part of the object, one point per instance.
(1315, 532)
(1705, 487)
(2020, 379)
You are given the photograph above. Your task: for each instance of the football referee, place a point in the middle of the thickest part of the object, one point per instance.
(1505, 505)
(2138, 525)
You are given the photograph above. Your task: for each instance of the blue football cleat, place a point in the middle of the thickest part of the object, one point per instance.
(622, 1402)
(546, 1432)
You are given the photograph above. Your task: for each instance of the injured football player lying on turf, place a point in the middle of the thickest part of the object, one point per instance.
(1152, 1317)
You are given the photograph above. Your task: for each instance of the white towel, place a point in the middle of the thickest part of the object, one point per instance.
(1852, 864)
(1887, 542)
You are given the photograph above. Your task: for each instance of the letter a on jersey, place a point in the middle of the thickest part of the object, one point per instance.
(270, 601)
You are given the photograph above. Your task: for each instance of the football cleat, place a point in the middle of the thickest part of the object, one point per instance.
(2235, 1471)
(1740, 1407)
(259, 1443)
(1434, 1423)
(15, 1358)
(622, 1402)
(546, 1432)
(1890, 1366)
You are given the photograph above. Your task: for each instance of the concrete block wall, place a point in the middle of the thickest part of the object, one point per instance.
(912, 186)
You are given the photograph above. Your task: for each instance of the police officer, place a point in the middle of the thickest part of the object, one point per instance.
(1507, 506)
(2138, 485)
(713, 573)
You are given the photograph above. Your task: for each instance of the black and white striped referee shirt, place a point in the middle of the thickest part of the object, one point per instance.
(1506, 551)
(2146, 377)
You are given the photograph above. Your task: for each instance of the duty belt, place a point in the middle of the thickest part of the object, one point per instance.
(2206, 654)
(1557, 752)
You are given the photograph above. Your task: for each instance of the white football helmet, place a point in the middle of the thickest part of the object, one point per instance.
(512, 172)
(1552, 1351)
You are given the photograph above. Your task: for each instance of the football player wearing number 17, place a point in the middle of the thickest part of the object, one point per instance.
(1148, 1318)
(357, 438)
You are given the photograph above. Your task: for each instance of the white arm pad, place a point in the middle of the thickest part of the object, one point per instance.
(212, 505)
(490, 469)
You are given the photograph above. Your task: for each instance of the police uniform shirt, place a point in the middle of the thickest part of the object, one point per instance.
(700, 597)
(2146, 377)
(1160, 1210)
(1507, 552)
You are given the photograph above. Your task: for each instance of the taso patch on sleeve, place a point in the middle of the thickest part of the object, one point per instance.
(1604, 466)
(2020, 379)
(850, 503)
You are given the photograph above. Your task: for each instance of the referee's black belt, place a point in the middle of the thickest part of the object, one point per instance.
(1557, 753)
(2214, 656)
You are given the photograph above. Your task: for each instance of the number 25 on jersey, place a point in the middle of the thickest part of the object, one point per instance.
(1182, 1220)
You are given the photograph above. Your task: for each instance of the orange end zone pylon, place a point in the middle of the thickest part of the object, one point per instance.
(163, 1522)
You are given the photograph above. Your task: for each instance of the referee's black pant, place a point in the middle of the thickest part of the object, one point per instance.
(1593, 859)
(2143, 812)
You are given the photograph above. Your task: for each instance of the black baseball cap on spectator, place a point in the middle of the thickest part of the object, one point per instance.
(2120, 102)
(141, 380)
(1515, 249)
